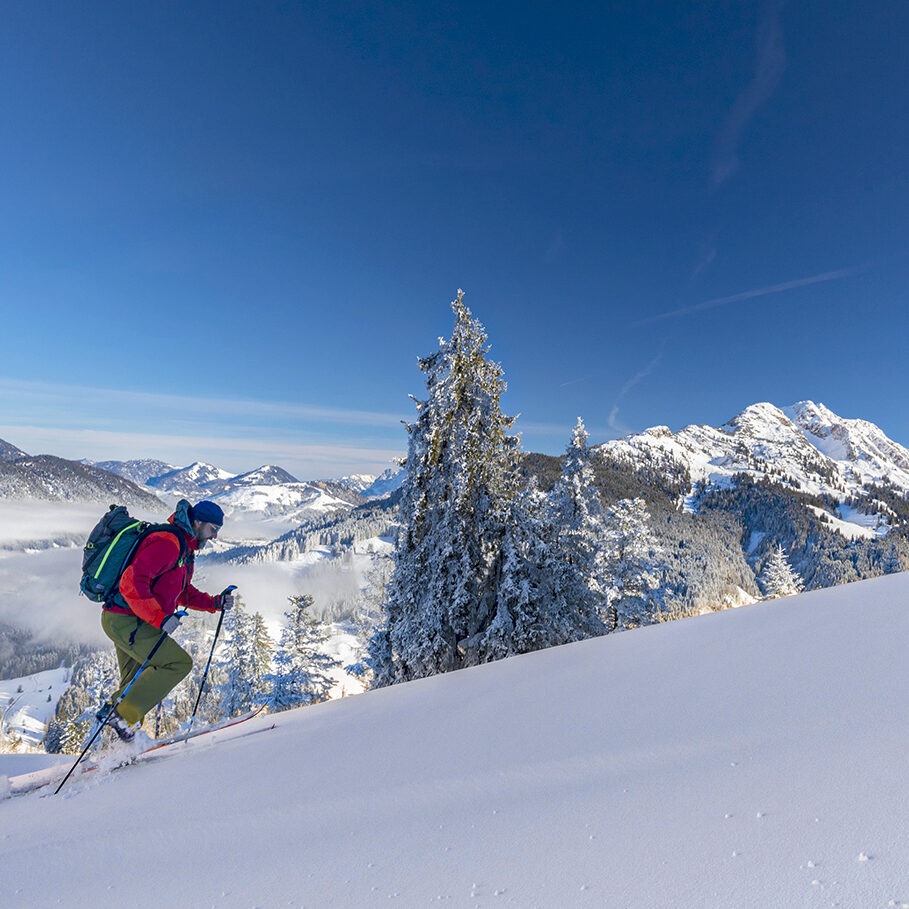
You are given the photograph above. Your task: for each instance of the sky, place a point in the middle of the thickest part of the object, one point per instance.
(229, 229)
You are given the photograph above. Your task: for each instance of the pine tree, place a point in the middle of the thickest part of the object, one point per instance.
(532, 611)
(632, 564)
(92, 680)
(73, 738)
(301, 664)
(778, 578)
(441, 596)
(374, 668)
(892, 563)
(245, 661)
(576, 513)
(196, 638)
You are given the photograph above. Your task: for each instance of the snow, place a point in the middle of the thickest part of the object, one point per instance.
(754, 540)
(852, 524)
(747, 758)
(26, 713)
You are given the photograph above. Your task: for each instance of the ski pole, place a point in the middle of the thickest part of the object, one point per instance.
(113, 707)
(208, 664)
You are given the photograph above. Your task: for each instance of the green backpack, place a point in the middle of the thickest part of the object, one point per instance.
(110, 547)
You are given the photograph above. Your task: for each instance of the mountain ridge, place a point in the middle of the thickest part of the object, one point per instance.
(805, 445)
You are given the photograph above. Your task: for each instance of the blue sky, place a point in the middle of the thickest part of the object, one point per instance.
(229, 229)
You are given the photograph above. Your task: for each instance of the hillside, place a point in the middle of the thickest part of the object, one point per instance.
(48, 478)
(748, 758)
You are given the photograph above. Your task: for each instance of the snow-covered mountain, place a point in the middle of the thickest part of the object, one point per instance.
(47, 478)
(295, 502)
(268, 492)
(373, 487)
(191, 482)
(752, 758)
(357, 481)
(9, 452)
(385, 484)
(267, 475)
(805, 446)
(139, 471)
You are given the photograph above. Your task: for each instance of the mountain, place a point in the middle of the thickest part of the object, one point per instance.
(268, 492)
(806, 447)
(139, 472)
(372, 487)
(55, 479)
(295, 502)
(267, 475)
(385, 484)
(864, 454)
(357, 481)
(751, 758)
(9, 452)
(191, 482)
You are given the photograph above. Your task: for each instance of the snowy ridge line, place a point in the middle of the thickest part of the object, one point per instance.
(805, 446)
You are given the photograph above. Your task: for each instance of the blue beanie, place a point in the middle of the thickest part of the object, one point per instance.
(207, 511)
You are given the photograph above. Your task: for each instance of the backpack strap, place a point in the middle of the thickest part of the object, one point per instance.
(185, 556)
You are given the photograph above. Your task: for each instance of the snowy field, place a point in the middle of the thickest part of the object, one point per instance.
(749, 758)
(27, 705)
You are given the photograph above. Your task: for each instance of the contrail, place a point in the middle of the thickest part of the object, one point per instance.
(751, 294)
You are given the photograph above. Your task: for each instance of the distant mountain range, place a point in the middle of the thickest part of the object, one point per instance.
(861, 475)
(268, 491)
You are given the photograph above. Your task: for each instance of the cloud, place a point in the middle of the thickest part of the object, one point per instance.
(637, 377)
(751, 294)
(770, 64)
(66, 396)
(707, 252)
(237, 434)
(306, 460)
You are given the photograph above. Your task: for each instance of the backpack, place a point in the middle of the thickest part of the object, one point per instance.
(111, 545)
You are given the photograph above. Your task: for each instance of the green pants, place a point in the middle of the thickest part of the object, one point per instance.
(134, 640)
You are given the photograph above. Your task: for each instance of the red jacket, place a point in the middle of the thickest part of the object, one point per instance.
(154, 584)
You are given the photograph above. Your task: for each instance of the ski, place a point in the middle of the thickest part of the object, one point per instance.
(193, 733)
(29, 782)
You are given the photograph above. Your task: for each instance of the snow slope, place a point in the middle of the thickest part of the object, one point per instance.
(749, 758)
(25, 713)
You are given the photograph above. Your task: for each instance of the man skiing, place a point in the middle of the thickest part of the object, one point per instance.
(157, 581)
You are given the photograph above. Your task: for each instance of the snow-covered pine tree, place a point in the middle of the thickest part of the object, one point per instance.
(92, 680)
(778, 578)
(459, 468)
(632, 562)
(72, 739)
(301, 663)
(196, 638)
(891, 563)
(245, 661)
(373, 668)
(576, 513)
(532, 612)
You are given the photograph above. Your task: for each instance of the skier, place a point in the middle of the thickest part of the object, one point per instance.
(157, 581)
